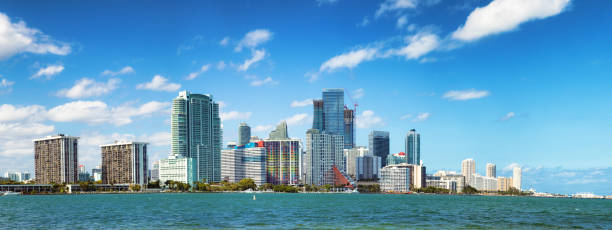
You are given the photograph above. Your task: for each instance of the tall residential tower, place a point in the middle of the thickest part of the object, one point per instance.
(413, 147)
(55, 159)
(379, 145)
(244, 134)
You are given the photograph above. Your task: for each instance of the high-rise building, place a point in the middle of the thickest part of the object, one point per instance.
(468, 167)
(402, 177)
(491, 170)
(56, 159)
(177, 168)
(124, 162)
(282, 157)
(25, 176)
(379, 145)
(368, 167)
(516, 178)
(244, 134)
(244, 162)
(155, 171)
(349, 128)
(83, 174)
(351, 159)
(280, 133)
(333, 109)
(196, 133)
(413, 147)
(318, 121)
(323, 152)
(97, 173)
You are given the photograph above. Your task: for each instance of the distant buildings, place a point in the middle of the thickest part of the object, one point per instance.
(17, 176)
(491, 170)
(196, 133)
(379, 145)
(483, 183)
(244, 162)
(438, 182)
(444, 176)
(397, 158)
(124, 162)
(280, 133)
(401, 178)
(55, 159)
(516, 178)
(413, 147)
(83, 174)
(504, 183)
(351, 156)
(244, 134)
(468, 167)
(349, 128)
(368, 167)
(155, 171)
(323, 152)
(96, 173)
(177, 168)
(282, 157)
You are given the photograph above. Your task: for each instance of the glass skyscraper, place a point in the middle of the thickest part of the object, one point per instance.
(333, 109)
(244, 134)
(379, 145)
(349, 128)
(196, 133)
(413, 147)
(318, 122)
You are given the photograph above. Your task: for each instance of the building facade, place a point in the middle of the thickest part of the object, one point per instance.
(516, 178)
(468, 167)
(244, 162)
(504, 183)
(491, 170)
(452, 176)
(379, 145)
(96, 173)
(483, 183)
(244, 134)
(124, 162)
(83, 174)
(368, 167)
(196, 133)
(351, 159)
(154, 176)
(401, 178)
(56, 159)
(413, 147)
(333, 109)
(323, 152)
(283, 161)
(397, 158)
(177, 168)
(349, 128)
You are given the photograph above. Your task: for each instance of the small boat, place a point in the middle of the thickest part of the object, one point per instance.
(9, 193)
(254, 197)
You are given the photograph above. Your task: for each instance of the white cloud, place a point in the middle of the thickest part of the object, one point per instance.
(235, 115)
(253, 39)
(97, 112)
(258, 55)
(302, 103)
(368, 119)
(221, 65)
(18, 38)
(393, 5)
(511, 167)
(364, 22)
(48, 71)
(222, 104)
(87, 87)
(321, 2)
(5, 85)
(9, 130)
(159, 83)
(508, 116)
(505, 15)
(401, 22)
(358, 93)
(16, 138)
(348, 60)
(21, 113)
(224, 41)
(124, 70)
(263, 128)
(298, 119)
(266, 81)
(158, 139)
(421, 117)
(193, 75)
(462, 95)
(405, 116)
(419, 45)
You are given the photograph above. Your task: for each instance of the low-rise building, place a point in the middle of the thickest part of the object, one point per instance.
(438, 182)
(452, 176)
(402, 177)
(504, 183)
(244, 162)
(483, 183)
(177, 168)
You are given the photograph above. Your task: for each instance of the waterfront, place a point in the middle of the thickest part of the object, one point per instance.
(239, 210)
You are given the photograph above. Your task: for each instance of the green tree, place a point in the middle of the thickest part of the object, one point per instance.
(470, 190)
(266, 186)
(247, 183)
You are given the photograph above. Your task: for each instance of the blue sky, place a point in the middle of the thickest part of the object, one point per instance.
(509, 82)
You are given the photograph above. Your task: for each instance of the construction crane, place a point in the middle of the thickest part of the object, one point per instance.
(353, 101)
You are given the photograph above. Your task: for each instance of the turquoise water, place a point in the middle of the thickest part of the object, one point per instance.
(233, 210)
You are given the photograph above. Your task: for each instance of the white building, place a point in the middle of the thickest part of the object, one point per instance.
(97, 173)
(240, 163)
(491, 170)
(351, 159)
(468, 168)
(14, 176)
(452, 176)
(516, 178)
(438, 182)
(401, 177)
(177, 168)
(483, 183)
(155, 171)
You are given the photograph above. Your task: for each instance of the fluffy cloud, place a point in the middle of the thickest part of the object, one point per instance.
(97, 112)
(5, 85)
(258, 55)
(263, 128)
(302, 103)
(348, 60)
(48, 71)
(508, 116)
(421, 117)
(124, 70)
(266, 81)
(505, 15)
(10, 113)
(358, 93)
(8, 130)
(159, 83)
(511, 167)
(16, 138)
(18, 38)
(221, 65)
(87, 87)
(235, 115)
(462, 95)
(368, 119)
(419, 45)
(224, 41)
(405, 116)
(253, 39)
(401, 22)
(298, 119)
(193, 75)
(393, 5)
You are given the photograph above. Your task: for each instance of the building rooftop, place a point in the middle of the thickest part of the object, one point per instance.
(124, 143)
(52, 137)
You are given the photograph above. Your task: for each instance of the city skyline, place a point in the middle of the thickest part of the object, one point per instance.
(79, 78)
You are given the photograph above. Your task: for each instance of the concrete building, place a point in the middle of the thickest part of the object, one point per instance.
(504, 183)
(56, 159)
(452, 176)
(491, 170)
(124, 162)
(283, 160)
(196, 133)
(349, 128)
(14, 176)
(244, 134)
(244, 162)
(26, 176)
(483, 183)
(413, 147)
(516, 178)
(368, 168)
(155, 171)
(439, 182)
(379, 145)
(397, 158)
(351, 159)
(468, 167)
(402, 177)
(323, 152)
(96, 173)
(177, 168)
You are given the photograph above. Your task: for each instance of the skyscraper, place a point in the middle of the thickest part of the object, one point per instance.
(468, 167)
(323, 152)
(244, 134)
(491, 170)
(516, 178)
(196, 133)
(280, 133)
(318, 122)
(379, 145)
(55, 159)
(124, 163)
(413, 147)
(349, 128)
(333, 109)
(283, 157)
(244, 162)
